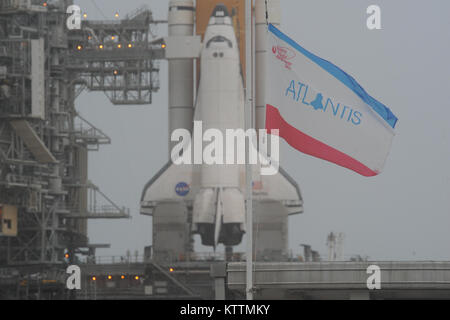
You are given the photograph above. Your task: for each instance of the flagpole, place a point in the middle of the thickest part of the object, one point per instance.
(248, 167)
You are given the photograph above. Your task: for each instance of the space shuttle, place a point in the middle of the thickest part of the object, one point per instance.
(209, 200)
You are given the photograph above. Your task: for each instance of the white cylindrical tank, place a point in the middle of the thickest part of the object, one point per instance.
(274, 17)
(181, 72)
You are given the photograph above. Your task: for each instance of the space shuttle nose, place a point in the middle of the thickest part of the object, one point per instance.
(220, 11)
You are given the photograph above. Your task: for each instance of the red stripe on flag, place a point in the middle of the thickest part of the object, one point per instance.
(313, 147)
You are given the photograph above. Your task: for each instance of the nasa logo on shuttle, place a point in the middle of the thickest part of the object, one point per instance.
(284, 54)
(182, 189)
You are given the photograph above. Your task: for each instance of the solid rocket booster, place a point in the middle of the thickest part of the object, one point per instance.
(181, 71)
(219, 207)
(273, 17)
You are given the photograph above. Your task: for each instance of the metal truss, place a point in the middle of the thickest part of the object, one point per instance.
(117, 57)
(44, 145)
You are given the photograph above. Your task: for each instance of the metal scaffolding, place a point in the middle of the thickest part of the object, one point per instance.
(44, 142)
(117, 58)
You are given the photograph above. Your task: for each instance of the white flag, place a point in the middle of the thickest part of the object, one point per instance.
(322, 111)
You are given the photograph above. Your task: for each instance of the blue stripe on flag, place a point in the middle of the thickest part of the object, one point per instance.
(342, 76)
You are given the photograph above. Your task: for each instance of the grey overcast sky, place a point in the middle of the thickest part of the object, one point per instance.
(402, 214)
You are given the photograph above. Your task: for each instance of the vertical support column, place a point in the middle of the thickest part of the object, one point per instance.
(181, 71)
(57, 149)
(249, 56)
(219, 273)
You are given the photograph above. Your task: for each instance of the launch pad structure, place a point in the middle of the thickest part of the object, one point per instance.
(46, 197)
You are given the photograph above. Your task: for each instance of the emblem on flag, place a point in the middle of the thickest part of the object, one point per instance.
(284, 54)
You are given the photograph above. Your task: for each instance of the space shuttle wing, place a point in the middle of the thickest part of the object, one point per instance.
(280, 187)
(173, 183)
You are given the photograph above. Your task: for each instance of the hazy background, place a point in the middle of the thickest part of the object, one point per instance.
(402, 214)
